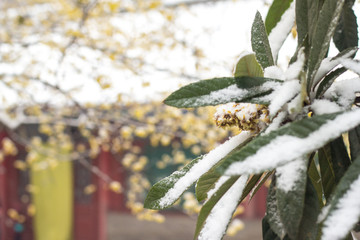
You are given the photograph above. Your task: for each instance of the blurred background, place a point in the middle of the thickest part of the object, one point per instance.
(83, 130)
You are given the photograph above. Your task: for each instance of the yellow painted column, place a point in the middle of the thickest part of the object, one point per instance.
(52, 195)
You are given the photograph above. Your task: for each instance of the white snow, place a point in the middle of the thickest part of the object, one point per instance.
(290, 173)
(322, 106)
(280, 32)
(201, 167)
(232, 92)
(218, 184)
(275, 124)
(329, 63)
(222, 95)
(344, 91)
(215, 225)
(284, 94)
(295, 105)
(323, 214)
(295, 68)
(286, 148)
(274, 72)
(351, 64)
(339, 223)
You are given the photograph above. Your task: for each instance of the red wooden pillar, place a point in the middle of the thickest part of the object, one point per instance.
(116, 201)
(13, 195)
(90, 210)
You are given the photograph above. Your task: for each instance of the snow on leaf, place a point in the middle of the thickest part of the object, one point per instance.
(290, 194)
(343, 92)
(353, 65)
(164, 193)
(323, 106)
(344, 211)
(288, 143)
(220, 215)
(282, 29)
(222, 90)
(290, 173)
(283, 94)
(329, 63)
(218, 184)
(295, 68)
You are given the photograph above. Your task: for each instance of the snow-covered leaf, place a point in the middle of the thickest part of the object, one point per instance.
(344, 210)
(208, 206)
(346, 33)
(324, 30)
(267, 232)
(260, 42)
(308, 229)
(276, 10)
(217, 212)
(328, 80)
(223, 90)
(248, 66)
(288, 143)
(343, 92)
(284, 94)
(353, 65)
(281, 31)
(290, 194)
(164, 193)
(328, 64)
(272, 212)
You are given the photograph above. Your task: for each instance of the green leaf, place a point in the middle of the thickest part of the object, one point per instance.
(354, 140)
(294, 141)
(260, 42)
(307, 13)
(276, 10)
(316, 179)
(324, 30)
(228, 195)
(308, 226)
(222, 90)
(329, 79)
(334, 161)
(161, 188)
(347, 191)
(327, 171)
(290, 194)
(248, 66)
(346, 33)
(205, 184)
